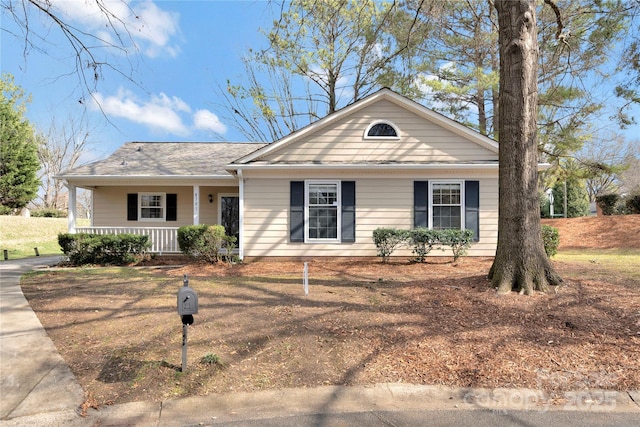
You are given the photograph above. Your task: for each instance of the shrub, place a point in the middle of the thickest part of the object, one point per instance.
(387, 240)
(458, 240)
(107, 249)
(6, 210)
(48, 213)
(607, 202)
(632, 203)
(202, 242)
(422, 240)
(550, 239)
(229, 243)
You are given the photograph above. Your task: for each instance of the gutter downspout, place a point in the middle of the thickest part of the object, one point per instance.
(241, 215)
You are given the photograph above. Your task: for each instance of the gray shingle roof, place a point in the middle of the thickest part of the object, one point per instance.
(167, 159)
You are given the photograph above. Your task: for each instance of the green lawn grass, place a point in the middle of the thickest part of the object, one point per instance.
(19, 236)
(620, 261)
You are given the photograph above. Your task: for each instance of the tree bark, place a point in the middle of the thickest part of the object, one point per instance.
(520, 263)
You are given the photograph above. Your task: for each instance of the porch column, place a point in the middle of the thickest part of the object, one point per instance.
(196, 204)
(71, 209)
(241, 215)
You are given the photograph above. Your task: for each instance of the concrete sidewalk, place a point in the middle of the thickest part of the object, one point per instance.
(38, 389)
(34, 377)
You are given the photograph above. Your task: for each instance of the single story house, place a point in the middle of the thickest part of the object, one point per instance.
(383, 161)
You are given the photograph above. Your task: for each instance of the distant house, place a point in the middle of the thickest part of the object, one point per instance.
(384, 161)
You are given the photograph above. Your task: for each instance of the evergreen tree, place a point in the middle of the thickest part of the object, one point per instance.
(18, 150)
(577, 197)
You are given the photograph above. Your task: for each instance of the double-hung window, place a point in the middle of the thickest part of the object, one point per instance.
(152, 206)
(323, 210)
(446, 205)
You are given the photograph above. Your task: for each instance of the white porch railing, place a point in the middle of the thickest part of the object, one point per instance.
(163, 239)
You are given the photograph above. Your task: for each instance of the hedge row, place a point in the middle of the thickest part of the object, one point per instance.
(422, 241)
(106, 249)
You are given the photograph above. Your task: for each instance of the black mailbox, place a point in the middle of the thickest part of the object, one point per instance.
(187, 299)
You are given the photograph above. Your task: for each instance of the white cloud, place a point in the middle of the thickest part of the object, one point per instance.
(151, 28)
(206, 120)
(160, 113)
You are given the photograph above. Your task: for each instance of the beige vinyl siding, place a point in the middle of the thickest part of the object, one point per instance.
(380, 202)
(110, 205)
(420, 141)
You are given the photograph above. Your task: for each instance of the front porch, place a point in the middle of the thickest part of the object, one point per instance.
(164, 240)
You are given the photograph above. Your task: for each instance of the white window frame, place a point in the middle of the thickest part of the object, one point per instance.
(377, 122)
(338, 205)
(163, 200)
(462, 199)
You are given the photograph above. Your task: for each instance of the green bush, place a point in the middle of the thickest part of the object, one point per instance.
(6, 210)
(550, 239)
(607, 202)
(48, 213)
(202, 242)
(387, 240)
(422, 240)
(632, 204)
(458, 240)
(106, 249)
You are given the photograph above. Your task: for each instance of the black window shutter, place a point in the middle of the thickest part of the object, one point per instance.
(296, 212)
(172, 207)
(472, 208)
(348, 211)
(132, 207)
(420, 204)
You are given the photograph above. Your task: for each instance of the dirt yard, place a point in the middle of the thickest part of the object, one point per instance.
(361, 323)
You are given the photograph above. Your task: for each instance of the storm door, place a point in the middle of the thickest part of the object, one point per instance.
(230, 215)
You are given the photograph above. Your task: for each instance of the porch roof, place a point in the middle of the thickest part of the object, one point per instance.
(166, 159)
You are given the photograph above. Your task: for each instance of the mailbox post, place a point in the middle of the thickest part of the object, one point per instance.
(187, 307)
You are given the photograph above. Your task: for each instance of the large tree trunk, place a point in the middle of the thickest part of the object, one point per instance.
(520, 263)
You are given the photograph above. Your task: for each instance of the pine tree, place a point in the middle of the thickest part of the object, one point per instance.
(18, 150)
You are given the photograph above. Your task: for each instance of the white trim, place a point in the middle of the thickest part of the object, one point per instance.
(196, 204)
(163, 206)
(147, 177)
(377, 122)
(72, 208)
(338, 205)
(376, 166)
(462, 199)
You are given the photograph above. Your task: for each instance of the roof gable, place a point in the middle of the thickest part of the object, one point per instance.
(425, 137)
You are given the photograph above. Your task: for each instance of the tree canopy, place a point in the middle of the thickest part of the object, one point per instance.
(18, 151)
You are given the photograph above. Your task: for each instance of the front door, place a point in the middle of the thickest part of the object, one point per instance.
(230, 215)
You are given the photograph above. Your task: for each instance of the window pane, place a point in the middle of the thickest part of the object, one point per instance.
(323, 223)
(323, 194)
(151, 206)
(149, 200)
(382, 129)
(446, 205)
(445, 217)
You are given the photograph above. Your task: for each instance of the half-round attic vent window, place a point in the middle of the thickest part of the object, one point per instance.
(382, 130)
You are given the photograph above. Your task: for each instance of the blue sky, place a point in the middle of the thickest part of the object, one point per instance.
(187, 49)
